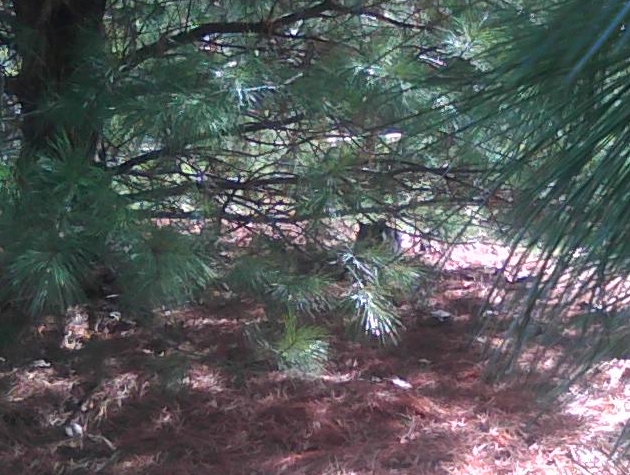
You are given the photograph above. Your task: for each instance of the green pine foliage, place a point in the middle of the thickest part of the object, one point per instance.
(147, 141)
(301, 348)
(159, 266)
(54, 231)
(378, 280)
(555, 93)
(289, 344)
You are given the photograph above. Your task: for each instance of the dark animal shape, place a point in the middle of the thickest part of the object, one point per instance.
(378, 235)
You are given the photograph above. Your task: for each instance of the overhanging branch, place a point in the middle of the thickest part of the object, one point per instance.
(166, 43)
(248, 127)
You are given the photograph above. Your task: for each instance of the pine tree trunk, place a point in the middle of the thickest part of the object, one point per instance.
(51, 40)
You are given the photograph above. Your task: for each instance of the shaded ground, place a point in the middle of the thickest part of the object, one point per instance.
(188, 397)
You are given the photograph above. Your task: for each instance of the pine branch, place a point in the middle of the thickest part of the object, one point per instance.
(166, 43)
(138, 160)
(382, 17)
(243, 128)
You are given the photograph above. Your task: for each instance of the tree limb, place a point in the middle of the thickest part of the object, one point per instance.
(243, 128)
(167, 43)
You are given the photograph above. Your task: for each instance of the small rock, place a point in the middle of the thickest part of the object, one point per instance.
(74, 430)
(441, 315)
(401, 383)
(40, 364)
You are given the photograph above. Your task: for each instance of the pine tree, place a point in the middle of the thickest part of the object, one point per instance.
(131, 124)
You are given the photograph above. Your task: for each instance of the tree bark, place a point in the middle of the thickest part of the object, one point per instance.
(51, 39)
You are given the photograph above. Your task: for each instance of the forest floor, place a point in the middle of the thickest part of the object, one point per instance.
(181, 397)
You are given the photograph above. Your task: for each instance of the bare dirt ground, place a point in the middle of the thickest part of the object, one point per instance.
(187, 396)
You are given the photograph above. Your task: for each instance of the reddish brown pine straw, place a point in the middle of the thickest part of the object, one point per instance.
(225, 417)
